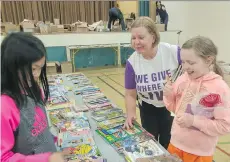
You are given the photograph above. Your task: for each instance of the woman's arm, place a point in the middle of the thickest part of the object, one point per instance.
(130, 102)
(130, 94)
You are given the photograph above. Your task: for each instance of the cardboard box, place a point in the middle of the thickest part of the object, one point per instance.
(45, 29)
(51, 68)
(54, 28)
(56, 21)
(27, 26)
(47, 22)
(60, 28)
(9, 28)
(66, 67)
(160, 27)
(82, 29)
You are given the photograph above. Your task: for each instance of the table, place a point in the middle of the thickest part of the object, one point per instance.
(75, 49)
(106, 150)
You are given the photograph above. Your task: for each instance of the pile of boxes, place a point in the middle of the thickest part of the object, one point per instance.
(41, 27)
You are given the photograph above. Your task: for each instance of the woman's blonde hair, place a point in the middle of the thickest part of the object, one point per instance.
(204, 47)
(149, 24)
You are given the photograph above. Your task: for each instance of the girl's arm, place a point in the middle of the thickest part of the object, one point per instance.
(10, 118)
(220, 125)
(172, 95)
(217, 127)
(170, 100)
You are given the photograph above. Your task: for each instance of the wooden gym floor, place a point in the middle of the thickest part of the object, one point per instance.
(111, 82)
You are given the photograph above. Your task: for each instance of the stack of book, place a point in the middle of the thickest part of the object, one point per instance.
(71, 123)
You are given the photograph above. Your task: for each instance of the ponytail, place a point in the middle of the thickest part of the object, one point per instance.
(217, 69)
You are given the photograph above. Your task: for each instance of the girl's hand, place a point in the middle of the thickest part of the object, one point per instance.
(59, 156)
(185, 120)
(168, 89)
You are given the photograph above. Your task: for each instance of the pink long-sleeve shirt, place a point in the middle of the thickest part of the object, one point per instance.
(202, 137)
(24, 133)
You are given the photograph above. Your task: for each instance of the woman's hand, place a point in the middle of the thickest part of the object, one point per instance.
(129, 121)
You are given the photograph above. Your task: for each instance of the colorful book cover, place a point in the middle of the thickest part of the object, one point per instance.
(107, 114)
(161, 158)
(57, 100)
(65, 124)
(111, 131)
(141, 150)
(83, 151)
(89, 160)
(79, 108)
(132, 140)
(97, 105)
(133, 131)
(112, 123)
(75, 138)
(111, 138)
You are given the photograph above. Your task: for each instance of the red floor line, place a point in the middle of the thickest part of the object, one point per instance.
(226, 153)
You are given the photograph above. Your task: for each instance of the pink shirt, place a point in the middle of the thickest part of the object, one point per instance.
(202, 137)
(10, 119)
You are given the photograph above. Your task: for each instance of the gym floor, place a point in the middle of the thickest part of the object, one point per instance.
(111, 82)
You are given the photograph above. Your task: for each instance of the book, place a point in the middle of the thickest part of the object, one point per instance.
(161, 158)
(106, 114)
(141, 150)
(112, 123)
(83, 151)
(132, 140)
(74, 138)
(89, 160)
(67, 123)
(111, 138)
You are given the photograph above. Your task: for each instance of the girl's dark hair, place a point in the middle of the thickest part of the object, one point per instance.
(158, 2)
(18, 52)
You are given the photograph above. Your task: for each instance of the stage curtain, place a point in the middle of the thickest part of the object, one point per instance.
(67, 11)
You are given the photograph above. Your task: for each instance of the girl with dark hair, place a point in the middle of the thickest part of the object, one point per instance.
(25, 133)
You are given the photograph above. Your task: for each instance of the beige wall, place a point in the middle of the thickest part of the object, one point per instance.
(152, 9)
(128, 6)
(206, 18)
(132, 6)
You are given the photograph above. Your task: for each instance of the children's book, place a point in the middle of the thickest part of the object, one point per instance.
(66, 124)
(97, 105)
(71, 115)
(79, 108)
(83, 151)
(133, 131)
(75, 138)
(112, 123)
(132, 140)
(58, 100)
(141, 150)
(111, 138)
(111, 131)
(92, 95)
(106, 114)
(161, 158)
(89, 160)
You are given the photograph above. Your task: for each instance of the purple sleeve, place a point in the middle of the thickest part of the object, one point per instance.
(178, 55)
(130, 82)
